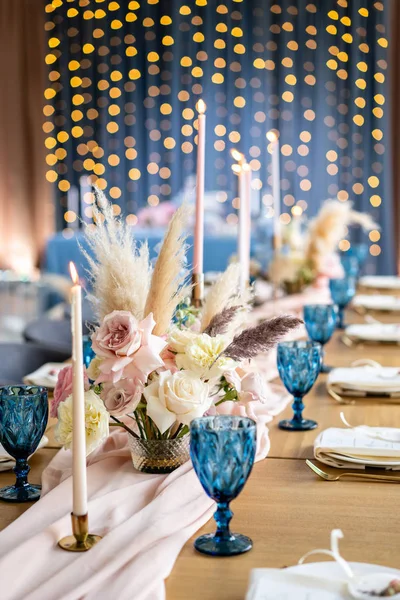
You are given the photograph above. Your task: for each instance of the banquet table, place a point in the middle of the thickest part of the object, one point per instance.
(284, 507)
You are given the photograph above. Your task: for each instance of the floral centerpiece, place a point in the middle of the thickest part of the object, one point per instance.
(312, 255)
(158, 362)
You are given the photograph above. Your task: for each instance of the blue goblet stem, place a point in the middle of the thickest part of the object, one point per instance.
(341, 317)
(21, 471)
(223, 516)
(298, 408)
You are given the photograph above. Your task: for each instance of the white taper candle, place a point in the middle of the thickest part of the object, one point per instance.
(79, 477)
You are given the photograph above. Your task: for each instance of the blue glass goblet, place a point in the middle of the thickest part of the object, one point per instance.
(222, 449)
(23, 419)
(88, 353)
(360, 251)
(320, 321)
(298, 365)
(350, 264)
(342, 292)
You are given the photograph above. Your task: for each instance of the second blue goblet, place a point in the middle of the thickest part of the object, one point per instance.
(23, 419)
(298, 365)
(320, 321)
(222, 449)
(342, 292)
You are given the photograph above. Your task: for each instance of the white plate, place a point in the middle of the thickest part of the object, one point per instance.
(381, 282)
(377, 302)
(375, 332)
(45, 376)
(326, 581)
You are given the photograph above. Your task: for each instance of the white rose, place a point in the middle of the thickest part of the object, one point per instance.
(178, 339)
(96, 422)
(179, 396)
(201, 356)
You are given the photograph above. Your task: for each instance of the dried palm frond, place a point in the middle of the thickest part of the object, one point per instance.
(120, 273)
(220, 322)
(330, 226)
(222, 293)
(168, 287)
(261, 338)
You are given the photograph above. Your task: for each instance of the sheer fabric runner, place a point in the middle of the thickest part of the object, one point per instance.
(145, 521)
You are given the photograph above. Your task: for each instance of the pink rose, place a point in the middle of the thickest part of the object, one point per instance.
(63, 388)
(127, 347)
(122, 398)
(331, 266)
(168, 358)
(249, 386)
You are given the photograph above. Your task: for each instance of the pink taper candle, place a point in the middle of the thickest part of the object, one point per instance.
(79, 483)
(276, 189)
(199, 224)
(242, 170)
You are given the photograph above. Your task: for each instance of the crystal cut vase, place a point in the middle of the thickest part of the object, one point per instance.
(159, 456)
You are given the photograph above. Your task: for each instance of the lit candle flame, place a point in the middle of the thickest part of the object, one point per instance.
(201, 106)
(271, 136)
(236, 169)
(73, 273)
(236, 155)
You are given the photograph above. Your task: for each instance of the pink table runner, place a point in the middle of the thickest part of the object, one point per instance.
(145, 520)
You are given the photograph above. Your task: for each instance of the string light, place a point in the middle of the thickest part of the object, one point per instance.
(95, 110)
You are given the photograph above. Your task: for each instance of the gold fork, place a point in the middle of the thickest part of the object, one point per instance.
(370, 476)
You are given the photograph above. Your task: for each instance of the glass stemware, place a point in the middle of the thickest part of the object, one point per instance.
(320, 321)
(88, 353)
(23, 419)
(350, 264)
(360, 251)
(342, 292)
(298, 365)
(222, 449)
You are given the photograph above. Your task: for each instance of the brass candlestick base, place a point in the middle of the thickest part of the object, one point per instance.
(81, 540)
(197, 290)
(276, 243)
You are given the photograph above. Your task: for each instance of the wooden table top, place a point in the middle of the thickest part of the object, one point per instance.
(284, 507)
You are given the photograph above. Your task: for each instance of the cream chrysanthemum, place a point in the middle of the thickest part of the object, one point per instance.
(201, 354)
(96, 422)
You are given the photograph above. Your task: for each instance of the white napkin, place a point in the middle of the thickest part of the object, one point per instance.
(355, 449)
(7, 462)
(45, 376)
(280, 584)
(356, 381)
(377, 302)
(375, 332)
(383, 282)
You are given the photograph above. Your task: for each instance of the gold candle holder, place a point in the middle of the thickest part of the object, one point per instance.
(81, 540)
(198, 289)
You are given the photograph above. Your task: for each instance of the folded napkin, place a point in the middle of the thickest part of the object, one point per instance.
(313, 581)
(384, 282)
(374, 332)
(145, 520)
(7, 462)
(271, 584)
(45, 376)
(377, 302)
(356, 448)
(364, 381)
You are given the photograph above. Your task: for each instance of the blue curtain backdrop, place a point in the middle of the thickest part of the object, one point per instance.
(125, 77)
